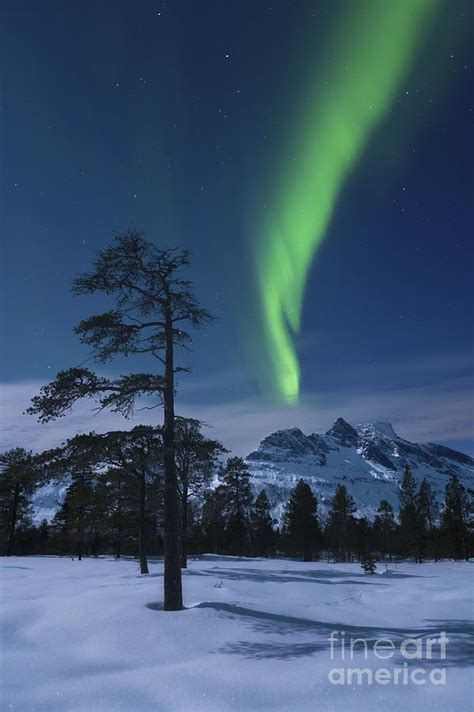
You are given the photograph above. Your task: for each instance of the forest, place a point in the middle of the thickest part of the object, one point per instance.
(114, 504)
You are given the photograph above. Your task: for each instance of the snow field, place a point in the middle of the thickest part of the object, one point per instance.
(90, 636)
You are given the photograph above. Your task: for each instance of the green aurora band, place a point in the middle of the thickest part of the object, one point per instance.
(373, 52)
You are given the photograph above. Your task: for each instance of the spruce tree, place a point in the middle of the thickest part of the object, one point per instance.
(263, 533)
(410, 520)
(457, 519)
(340, 526)
(368, 563)
(214, 520)
(363, 536)
(118, 493)
(235, 479)
(427, 512)
(385, 527)
(300, 522)
(72, 526)
(19, 476)
(196, 463)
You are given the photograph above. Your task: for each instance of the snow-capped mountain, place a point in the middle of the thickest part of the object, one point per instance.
(368, 459)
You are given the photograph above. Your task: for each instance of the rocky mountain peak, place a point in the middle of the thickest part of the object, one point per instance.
(343, 433)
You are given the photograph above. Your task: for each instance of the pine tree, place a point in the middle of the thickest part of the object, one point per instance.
(196, 463)
(72, 526)
(457, 518)
(385, 527)
(261, 522)
(152, 307)
(214, 520)
(110, 475)
(363, 536)
(427, 512)
(19, 475)
(340, 527)
(368, 563)
(235, 479)
(116, 490)
(410, 520)
(300, 522)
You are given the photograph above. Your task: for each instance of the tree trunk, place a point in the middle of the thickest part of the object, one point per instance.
(80, 530)
(184, 528)
(142, 528)
(172, 579)
(80, 534)
(11, 535)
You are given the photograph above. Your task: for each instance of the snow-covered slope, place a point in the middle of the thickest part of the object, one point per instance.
(368, 459)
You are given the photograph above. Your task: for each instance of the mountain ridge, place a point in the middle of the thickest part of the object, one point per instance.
(369, 459)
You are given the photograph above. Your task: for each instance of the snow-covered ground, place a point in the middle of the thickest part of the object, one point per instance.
(90, 636)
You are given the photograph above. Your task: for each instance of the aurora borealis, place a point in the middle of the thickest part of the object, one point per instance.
(314, 155)
(374, 50)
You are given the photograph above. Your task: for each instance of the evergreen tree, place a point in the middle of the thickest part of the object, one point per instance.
(196, 462)
(427, 512)
(136, 455)
(300, 522)
(456, 519)
(368, 563)
(385, 527)
(363, 537)
(151, 308)
(42, 537)
(340, 526)
(19, 475)
(410, 520)
(72, 524)
(111, 476)
(214, 520)
(235, 479)
(261, 522)
(116, 496)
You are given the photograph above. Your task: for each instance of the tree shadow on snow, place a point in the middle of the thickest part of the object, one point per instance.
(23, 568)
(460, 633)
(307, 576)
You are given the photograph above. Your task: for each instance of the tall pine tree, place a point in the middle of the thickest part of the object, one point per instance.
(340, 526)
(235, 479)
(410, 520)
(457, 519)
(19, 475)
(152, 307)
(263, 533)
(385, 527)
(300, 521)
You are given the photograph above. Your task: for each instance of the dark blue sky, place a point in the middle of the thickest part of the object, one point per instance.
(168, 117)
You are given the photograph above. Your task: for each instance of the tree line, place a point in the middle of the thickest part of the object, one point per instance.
(114, 504)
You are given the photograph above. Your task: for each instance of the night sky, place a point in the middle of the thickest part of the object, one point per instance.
(189, 120)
